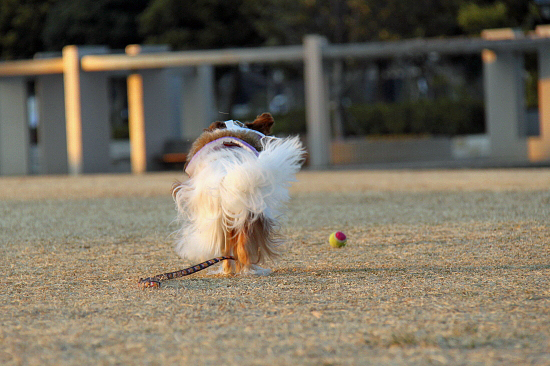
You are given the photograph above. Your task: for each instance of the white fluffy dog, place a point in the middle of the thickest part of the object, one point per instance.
(238, 183)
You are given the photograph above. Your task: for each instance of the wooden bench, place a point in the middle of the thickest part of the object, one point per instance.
(174, 153)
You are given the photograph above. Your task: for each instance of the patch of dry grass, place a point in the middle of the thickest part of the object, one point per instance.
(441, 267)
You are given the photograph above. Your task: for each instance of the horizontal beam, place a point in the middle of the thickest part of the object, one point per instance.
(32, 67)
(452, 46)
(192, 58)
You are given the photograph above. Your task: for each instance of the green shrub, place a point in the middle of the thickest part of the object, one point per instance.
(434, 117)
(424, 117)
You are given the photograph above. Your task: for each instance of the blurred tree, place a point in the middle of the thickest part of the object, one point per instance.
(30, 26)
(21, 23)
(473, 17)
(199, 24)
(287, 21)
(341, 21)
(93, 22)
(219, 24)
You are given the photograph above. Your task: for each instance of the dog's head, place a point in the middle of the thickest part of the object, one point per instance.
(236, 134)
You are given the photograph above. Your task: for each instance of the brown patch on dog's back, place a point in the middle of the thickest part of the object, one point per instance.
(208, 136)
(262, 123)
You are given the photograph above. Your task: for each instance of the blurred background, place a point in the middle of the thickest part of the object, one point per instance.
(386, 99)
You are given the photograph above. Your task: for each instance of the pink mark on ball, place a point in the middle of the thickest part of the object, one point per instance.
(340, 236)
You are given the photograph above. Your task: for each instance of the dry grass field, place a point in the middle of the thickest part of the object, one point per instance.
(441, 268)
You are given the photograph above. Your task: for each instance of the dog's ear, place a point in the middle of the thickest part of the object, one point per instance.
(215, 126)
(262, 123)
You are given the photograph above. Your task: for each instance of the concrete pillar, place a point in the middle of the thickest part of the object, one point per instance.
(136, 124)
(149, 118)
(504, 100)
(197, 100)
(539, 147)
(86, 113)
(150, 114)
(504, 104)
(52, 133)
(317, 104)
(14, 129)
(157, 114)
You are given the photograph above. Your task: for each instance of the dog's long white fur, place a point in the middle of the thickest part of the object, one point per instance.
(230, 187)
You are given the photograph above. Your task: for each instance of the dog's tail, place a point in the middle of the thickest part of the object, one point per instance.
(259, 186)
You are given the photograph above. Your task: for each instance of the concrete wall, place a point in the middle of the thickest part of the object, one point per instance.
(14, 130)
(406, 149)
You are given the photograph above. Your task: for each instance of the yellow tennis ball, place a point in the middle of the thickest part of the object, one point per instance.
(337, 239)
